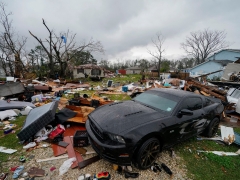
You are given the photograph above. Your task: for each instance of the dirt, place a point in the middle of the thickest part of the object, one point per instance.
(175, 164)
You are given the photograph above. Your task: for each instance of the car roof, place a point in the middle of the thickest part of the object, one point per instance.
(176, 92)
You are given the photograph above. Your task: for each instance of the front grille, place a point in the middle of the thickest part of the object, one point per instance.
(96, 131)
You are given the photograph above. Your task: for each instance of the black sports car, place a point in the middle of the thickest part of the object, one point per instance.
(134, 131)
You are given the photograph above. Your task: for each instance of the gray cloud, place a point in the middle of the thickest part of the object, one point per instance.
(125, 27)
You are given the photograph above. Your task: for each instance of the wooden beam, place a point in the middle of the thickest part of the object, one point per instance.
(209, 90)
(52, 158)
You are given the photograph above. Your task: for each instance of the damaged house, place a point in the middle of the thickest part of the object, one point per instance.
(233, 67)
(215, 63)
(133, 70)
(88, 70)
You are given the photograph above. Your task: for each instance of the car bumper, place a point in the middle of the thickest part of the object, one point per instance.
(119, 154)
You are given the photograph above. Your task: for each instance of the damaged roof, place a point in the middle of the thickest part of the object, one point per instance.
(87, 66)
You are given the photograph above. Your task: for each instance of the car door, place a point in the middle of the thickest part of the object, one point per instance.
(189, 125)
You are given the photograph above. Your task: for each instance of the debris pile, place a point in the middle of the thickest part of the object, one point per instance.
(56, 111)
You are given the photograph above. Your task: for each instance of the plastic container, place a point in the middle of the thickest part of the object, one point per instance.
(80, 139)
(125, 89)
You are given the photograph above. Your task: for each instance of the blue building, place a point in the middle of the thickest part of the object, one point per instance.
(226, 54)
(215, 62)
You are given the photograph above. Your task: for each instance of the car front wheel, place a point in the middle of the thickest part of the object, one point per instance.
(147, 154)
(212, 128)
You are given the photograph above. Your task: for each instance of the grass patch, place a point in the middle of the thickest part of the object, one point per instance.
(208, 165)
(11, 141)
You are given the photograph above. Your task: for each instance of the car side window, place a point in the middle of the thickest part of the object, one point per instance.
(192, 104)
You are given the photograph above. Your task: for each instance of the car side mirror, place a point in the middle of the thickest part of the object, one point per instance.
(185, 112)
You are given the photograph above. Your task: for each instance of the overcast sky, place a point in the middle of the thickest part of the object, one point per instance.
(126, 27)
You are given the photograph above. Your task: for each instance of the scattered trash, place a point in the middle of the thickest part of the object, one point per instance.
(238, 152)
(130, 174)
(3, 176)
(84, 177)
(26, 110)
(166, 169)
(66, 165)
(8, 151)
(36, 172)
(22, 159)
(17, 172)
(103, 175)
(12, 119)
(52, 168)
(29, 145)
(173, 155)
(129, 168)
(25, 174)
(158, 167)
(153, 168)
(220, 153)
(7, 114)
(52, 158)
(57, 131)
(45, 145)
(227, 134)
(43, 132)
(13, 168)
(7, 131)
(115, 167)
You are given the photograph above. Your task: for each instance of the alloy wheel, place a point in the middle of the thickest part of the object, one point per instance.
(149, 154)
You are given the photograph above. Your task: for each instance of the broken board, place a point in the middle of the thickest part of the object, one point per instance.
(72, 153)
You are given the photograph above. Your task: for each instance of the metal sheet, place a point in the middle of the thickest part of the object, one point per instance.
(4, 105)
(12, 88)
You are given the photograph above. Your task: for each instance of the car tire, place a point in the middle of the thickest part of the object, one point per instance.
(212, 128)
(147, 153)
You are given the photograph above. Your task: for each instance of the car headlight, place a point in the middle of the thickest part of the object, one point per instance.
(116, 138)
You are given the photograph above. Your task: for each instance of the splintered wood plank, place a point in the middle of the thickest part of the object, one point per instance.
(52, 158)
(72, 153)
(58, 150)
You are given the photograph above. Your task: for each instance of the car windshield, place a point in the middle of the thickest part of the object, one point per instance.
(156, 101)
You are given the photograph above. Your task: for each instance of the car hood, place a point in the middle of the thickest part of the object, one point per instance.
(121, 116)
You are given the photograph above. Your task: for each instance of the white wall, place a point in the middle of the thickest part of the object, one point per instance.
(130, 71)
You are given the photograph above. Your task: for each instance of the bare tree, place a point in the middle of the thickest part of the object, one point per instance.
(60, 52)
(201, 44)
(157, 54)
(11, 44)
